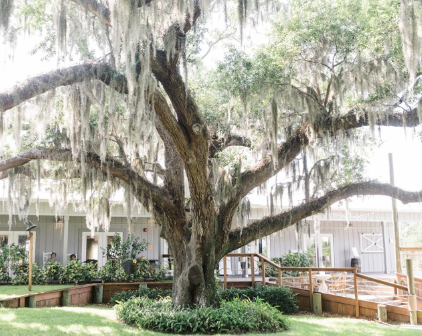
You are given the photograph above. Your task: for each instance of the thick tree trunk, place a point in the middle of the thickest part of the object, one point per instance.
(194, 277)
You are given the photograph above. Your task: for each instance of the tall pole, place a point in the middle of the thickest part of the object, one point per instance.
(31, 240)
(395, 218)
(384, 242)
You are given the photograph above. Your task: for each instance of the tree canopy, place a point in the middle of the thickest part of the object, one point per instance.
(130, 106)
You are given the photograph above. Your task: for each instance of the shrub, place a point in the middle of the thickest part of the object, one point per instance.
(76, 272)
(281, 298)
(143, 291)
(141, 269)
(236, 316)
(53, 269)
(295, 259)
(271, 270)
(111, 272)
(119, 253)
(21, 272)
(9, 260)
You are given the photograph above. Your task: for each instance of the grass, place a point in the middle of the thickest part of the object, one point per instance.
(11, 291)
(102, 321)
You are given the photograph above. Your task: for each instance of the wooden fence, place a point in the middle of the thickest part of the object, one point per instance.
(330, 303)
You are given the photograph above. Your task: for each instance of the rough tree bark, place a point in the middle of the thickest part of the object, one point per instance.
(201, 235)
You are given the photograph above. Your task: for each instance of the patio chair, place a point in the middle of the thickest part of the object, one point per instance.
(45, 257)
(304, 280)
(338, 283)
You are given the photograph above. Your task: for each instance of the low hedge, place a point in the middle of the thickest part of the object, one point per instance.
(236, 316)
(281, 298)
(143, 291)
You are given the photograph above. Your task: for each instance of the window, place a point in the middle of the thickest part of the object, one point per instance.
(327, 257)
(92, 246)
(371, 243)
(20, 238)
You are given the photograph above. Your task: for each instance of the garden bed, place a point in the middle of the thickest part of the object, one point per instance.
(75, 295)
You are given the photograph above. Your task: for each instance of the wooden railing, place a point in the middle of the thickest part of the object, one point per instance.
(264, 260)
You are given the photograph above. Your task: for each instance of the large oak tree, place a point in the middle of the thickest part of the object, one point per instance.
(329, 69)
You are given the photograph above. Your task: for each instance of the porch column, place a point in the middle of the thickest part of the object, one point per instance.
(65, 239)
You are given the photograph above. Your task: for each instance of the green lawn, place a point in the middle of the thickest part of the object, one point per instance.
(10, 291)
(102, 321)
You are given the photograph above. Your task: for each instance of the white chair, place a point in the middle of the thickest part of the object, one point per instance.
(45, 257)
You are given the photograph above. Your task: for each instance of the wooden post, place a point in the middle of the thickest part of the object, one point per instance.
(317, 303)
(98, 291)
(411, 289)
(263, 271)
(355, 281)
(66, 298)
(395, 218)
(225, 272)
(32, 301)
(31, 242)
(280, 278)
(253, 269)
(382, 313)
(384, 242)
(311, 289)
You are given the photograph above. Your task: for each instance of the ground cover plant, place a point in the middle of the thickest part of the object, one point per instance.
(282, 298)
(235, 316)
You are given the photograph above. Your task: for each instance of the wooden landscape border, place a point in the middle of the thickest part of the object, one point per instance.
(78, 295)
(84, 295)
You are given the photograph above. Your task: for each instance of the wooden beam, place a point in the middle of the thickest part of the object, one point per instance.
(311, 288)
(383, 282)
(411, 290)
(280, 278)
(395, 217)
(252, 269)
(410, 249)
(31, 247)
(355, 283)
(263, 271)
(384, 241)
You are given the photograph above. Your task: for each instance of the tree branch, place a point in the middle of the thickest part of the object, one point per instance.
(288, 151)
(110, 166)
(218, 145)
(269, 225)
(40, 84)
